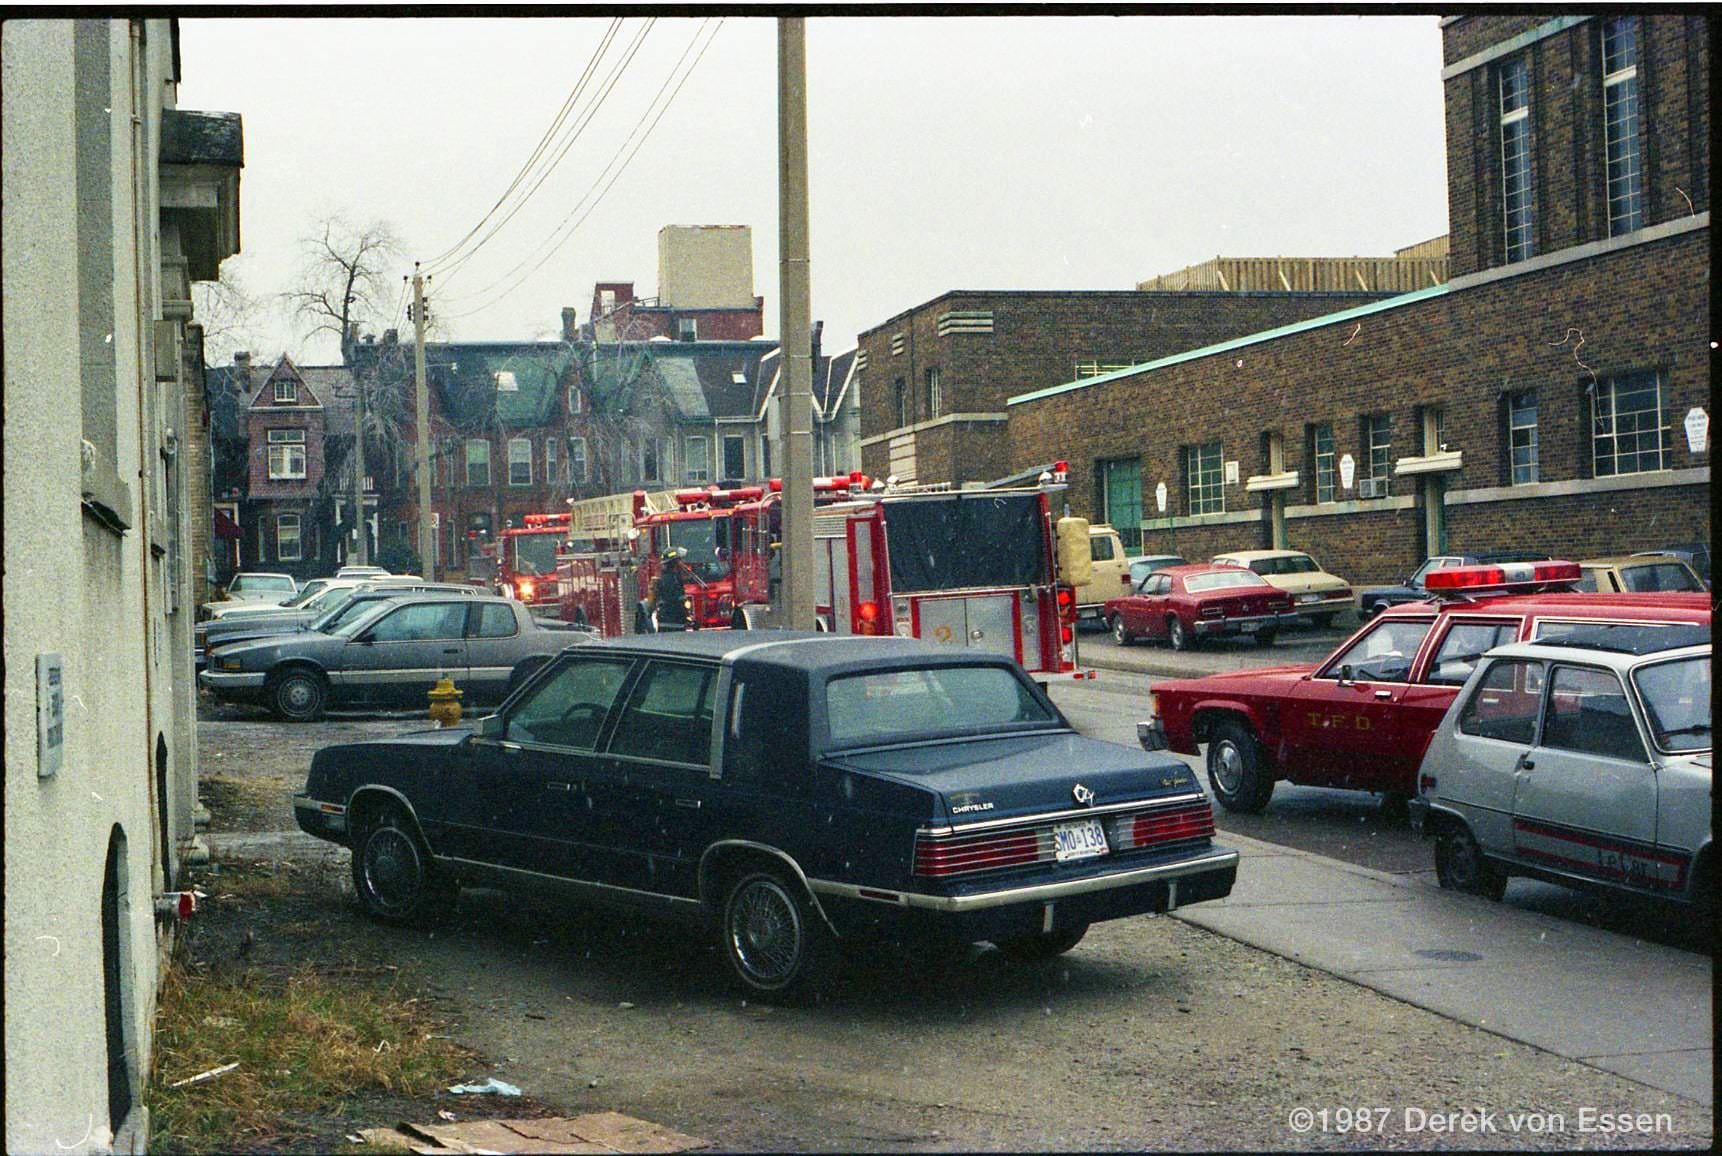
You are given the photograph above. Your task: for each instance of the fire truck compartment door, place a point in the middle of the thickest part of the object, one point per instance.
(981, 622)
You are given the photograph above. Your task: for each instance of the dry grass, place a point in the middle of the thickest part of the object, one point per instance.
(306, 1044)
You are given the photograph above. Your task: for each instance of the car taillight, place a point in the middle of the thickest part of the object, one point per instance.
(1212, 611)
(526, 587)
(1066, 599)
(1065, 634)
(1153, 705)
(1172, 825)
(867, 618)
(935, 857)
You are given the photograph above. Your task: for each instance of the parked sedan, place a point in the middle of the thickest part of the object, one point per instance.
(1584, 760)
(1378, 598)
(1640, 573)
(792, 792)
(325, 616)
(267, 589)
(391, 656)
(1184, 604)
(1315, 593)
(1145, 564)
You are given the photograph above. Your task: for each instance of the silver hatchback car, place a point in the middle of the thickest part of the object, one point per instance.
(1583, 760)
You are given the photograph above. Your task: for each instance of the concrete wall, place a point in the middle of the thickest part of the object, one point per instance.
(706, 266)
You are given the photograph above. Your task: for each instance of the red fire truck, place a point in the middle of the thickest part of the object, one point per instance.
(987, 569)
(526, 559)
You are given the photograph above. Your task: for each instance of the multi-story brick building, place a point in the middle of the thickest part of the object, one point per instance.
(933, 380)
(1540, 399)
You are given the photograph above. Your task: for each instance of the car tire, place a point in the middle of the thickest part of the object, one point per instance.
(1460, 865)
(298, 694)
(1395, 807)
(394, 876)
(1177, 635)
(1121, 634)
(1042, 945)
(1266, 637)
(1236, 771)
(777, 944)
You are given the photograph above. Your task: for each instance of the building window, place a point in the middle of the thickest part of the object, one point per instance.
(1095, 366)
(286, 392)
(1378, 449)
(935, 396)
(1621, 124)
(1321, 453)
(577, 460)
(289, 545)
(1120, 484)
(286, 454)
(576, 400)
(477, 462)
(1628, 425)
(550, 462)
(765, 457)
(1522, 437)
(506, 381)
(1517, 179)
(687, 329)
(734, 456)
(698, 457)
(1204, 479)
(653, 459)
(520, 461)
(902, 390)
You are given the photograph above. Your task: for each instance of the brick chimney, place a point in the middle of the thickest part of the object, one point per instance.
(570, 328)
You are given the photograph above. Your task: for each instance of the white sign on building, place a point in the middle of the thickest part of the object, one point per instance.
(1347, 471)
(1160, 497)
(1697, 430)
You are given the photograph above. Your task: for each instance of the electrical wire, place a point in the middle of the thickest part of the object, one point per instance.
(591, 112)
(538, 150)
(570, 223)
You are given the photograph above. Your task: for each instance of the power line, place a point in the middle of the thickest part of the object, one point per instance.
(591, 111)
(543, 141)
(564, 230)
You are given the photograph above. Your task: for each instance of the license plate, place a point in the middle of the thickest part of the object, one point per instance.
(1082, 840)
(1248, 627)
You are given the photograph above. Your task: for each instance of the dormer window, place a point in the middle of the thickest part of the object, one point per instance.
(286, 391)
(505, 381)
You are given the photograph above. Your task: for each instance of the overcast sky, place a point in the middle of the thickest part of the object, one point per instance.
(1044, 153)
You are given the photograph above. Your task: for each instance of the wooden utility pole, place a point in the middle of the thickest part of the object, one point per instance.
(421, 425)
(361, 554)
(795, 338)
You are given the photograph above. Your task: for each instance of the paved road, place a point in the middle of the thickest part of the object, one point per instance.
(1302, 644)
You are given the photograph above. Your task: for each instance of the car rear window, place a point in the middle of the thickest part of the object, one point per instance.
(1663, 576)
(1295, 564)
(1676, 697)
(255, 583)
(1225, 580)
(896, 705)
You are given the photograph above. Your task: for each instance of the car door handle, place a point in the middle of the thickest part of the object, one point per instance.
(451, 650)
(690, 804)
(555, 786)
(1383, 694)
(1527, 765)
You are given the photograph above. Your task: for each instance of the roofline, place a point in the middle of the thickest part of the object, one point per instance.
(1099, 293)
(1326, 319)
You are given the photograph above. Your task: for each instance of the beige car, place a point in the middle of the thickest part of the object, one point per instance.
(1640, 573)
(1111, 576)
(1316, 594)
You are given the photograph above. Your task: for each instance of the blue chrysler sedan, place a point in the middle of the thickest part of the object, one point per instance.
(790, 791)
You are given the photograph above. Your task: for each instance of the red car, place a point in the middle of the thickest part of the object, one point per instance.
(1184, 604)
(1362, 717)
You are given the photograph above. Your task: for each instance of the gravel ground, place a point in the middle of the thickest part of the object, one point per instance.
(1151, 1034)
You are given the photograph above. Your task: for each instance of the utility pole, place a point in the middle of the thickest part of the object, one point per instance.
(421, 425)
(362, 553)
(794, 321)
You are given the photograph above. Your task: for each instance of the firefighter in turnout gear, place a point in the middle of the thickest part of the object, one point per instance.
(671, 591)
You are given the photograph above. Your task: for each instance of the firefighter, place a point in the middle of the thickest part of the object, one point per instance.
(671, 591)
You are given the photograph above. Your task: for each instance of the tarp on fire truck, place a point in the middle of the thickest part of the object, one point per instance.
(963, 540)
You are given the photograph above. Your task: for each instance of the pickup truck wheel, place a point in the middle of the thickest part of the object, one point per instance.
(1176, 634)
(1235, 770)
(1266, 637)
(1121, 634)
(777, 945)
(298, 695)
(1042, 945)
(1460, 865)
(393, 873)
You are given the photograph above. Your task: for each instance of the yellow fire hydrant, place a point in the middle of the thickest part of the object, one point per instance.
(445, 702)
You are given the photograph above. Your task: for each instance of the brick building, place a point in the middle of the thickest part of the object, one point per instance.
(933, 380)
(1537, 400)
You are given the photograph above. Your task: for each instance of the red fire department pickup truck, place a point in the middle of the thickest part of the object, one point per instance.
(1361, 718)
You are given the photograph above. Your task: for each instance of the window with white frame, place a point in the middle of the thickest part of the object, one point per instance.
(520, 461)
(550, 461)
(289, 544)
(1522, 437)
(576, 400)
(1517, 178)
(577, 460)
(1628, 434)
(1621, 124)
(286, 391)
(1378, 446)
(734, 456)
(935, 394)
(1321, 450)
(1204, 479)
(506, 382)
(698, 455)
(477, 462)
(286, 454)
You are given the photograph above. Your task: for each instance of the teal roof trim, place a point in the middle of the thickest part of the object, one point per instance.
(1325, 319)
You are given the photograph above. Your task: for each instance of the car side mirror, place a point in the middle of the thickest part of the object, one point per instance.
(1345, 678)
(491, 726)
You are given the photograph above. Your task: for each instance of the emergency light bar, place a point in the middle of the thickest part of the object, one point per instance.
(1467, 579)
(547, 519)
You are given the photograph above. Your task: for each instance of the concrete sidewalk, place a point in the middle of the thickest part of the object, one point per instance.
(1097, 650)
(1636, 1009)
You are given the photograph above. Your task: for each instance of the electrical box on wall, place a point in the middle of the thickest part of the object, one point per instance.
(50, 715)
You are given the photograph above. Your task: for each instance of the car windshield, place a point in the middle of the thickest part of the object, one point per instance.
(1223, 580)
(535, 554)
(897, 705)
(1660, 576)
(346, 612)
(1676, 697)
(306, 596)
(367, 614)
(330, 599)
(699, 537)
(1291, 564)
(262, 584)
(1143, 567)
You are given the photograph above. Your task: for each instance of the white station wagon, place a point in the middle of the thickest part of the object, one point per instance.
(1583, 760)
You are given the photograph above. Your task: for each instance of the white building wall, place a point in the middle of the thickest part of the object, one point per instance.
(705, 266)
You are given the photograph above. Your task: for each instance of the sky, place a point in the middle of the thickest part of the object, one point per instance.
(944, 153)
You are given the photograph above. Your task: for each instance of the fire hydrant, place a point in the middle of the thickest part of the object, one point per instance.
(445, 702)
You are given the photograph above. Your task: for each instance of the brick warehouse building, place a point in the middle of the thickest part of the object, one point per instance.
(1538, 400)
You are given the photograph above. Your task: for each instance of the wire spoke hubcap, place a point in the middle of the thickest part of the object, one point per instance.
(765, 932)
(392, 869)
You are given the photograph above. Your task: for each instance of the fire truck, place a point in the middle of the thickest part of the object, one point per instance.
(526, 559)
(990, 569)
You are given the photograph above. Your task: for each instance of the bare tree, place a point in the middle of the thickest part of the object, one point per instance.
(229, 314)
